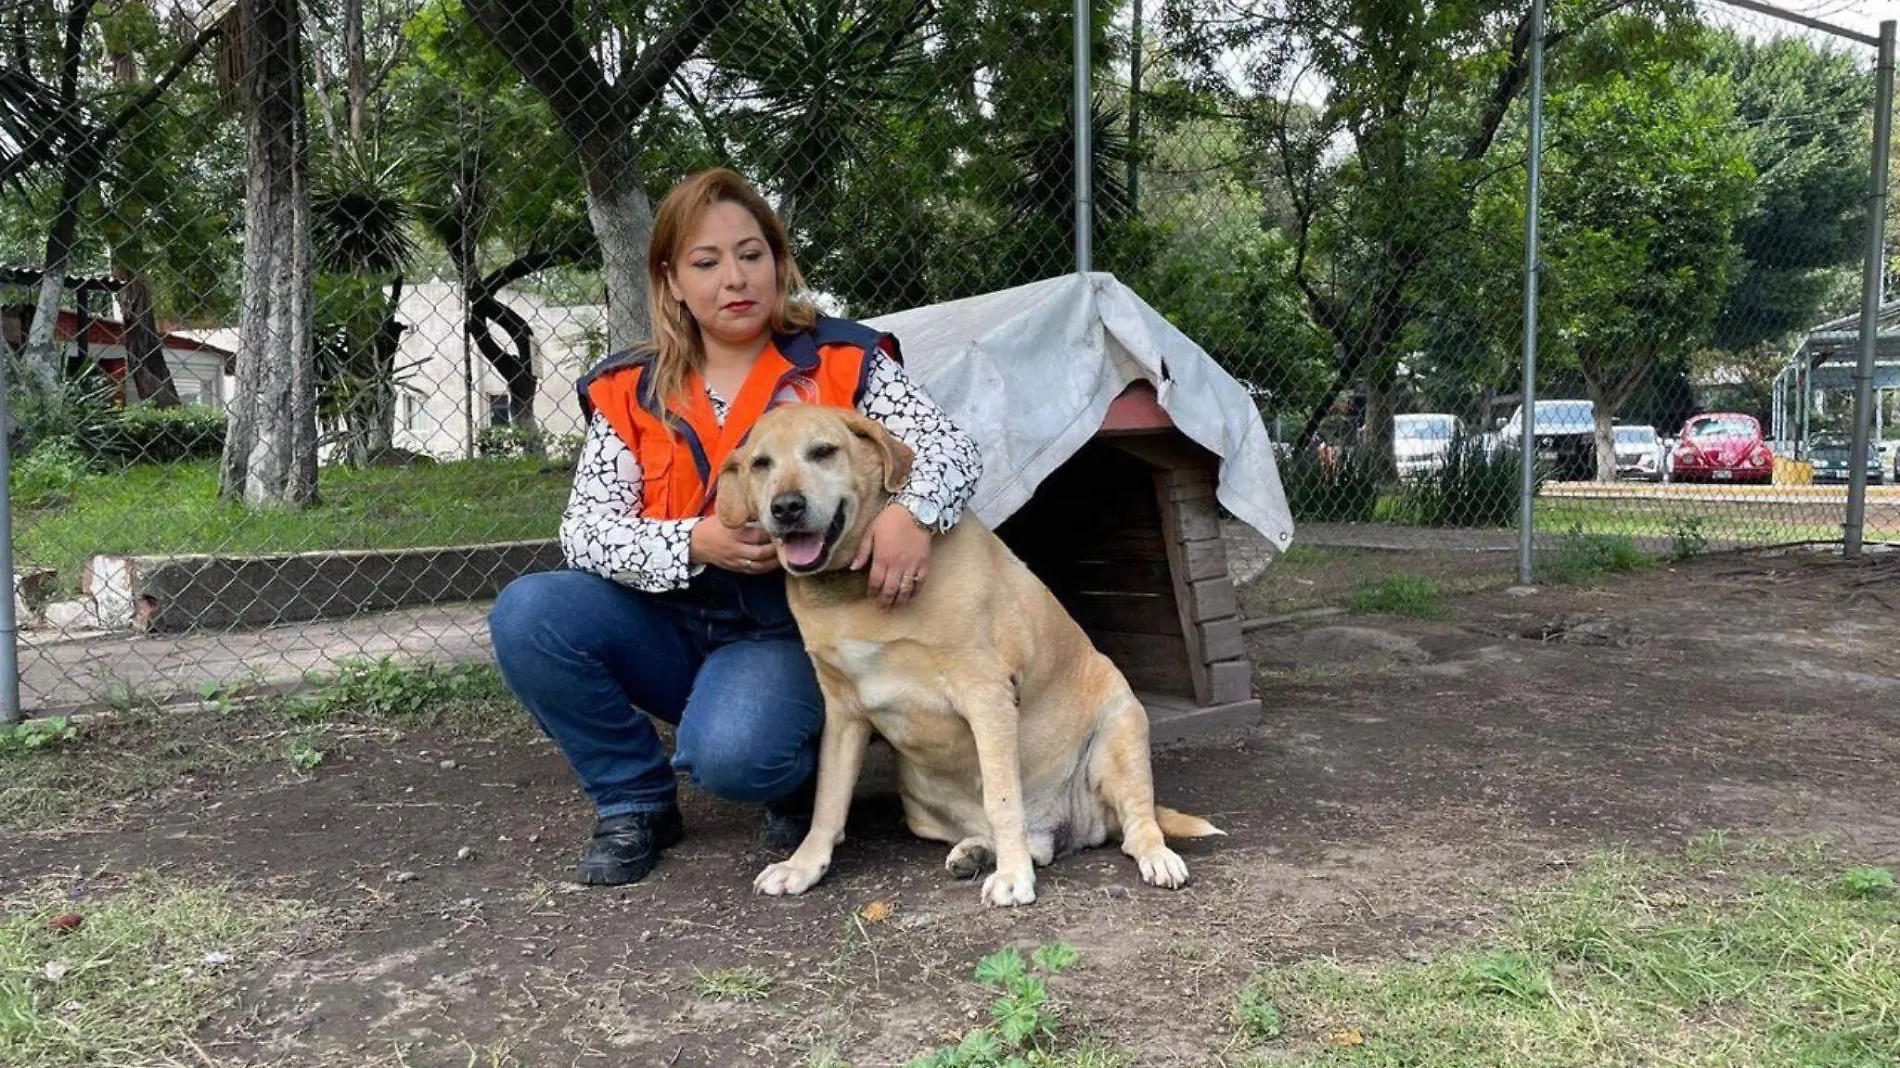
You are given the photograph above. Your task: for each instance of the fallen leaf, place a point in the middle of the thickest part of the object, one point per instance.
(1348, 1038)
(57, 969)
(876, 912)
(66, 922)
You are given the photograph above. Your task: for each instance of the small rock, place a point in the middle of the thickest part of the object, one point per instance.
(403, 877)
(534, 838)
(217, 959)
(448, 765)
(57, 969)
(1520, 591)
(464, 853)
(1115, 893)
(917, 920)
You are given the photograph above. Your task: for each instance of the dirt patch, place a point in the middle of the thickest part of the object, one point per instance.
(1403, 769)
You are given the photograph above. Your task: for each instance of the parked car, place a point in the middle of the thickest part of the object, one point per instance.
(1566, 432)
(1639, 453)
(1829, 455)
(1420, 441)
(1722, 447)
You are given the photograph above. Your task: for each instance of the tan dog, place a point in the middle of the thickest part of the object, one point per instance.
(1016, 739)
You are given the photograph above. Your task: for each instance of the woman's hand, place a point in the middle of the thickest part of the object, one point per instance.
(899, 552)
(746, 550)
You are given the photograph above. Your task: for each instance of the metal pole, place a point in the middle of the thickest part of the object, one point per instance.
(1870, 294)
(1084, 163)
(1527, 428)
(9, 625)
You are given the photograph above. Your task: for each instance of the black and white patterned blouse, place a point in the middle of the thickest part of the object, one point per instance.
(603, 531)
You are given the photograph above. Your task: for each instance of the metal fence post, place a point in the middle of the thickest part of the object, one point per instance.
(9, 624)
(1527, 427)
(1870, 294)
(1084, 165)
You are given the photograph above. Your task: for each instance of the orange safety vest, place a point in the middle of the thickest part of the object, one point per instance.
(829, 364)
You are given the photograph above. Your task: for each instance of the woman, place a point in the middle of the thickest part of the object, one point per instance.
(663, 609)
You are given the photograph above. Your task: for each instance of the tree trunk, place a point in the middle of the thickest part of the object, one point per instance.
(1381, 381)
(515, 364)
(270, 453)
(41, 368)
(1605, 428)
(356, 80)
(148, 376)
(622, 218)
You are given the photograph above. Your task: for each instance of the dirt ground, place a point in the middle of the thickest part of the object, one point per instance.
(1403, 769)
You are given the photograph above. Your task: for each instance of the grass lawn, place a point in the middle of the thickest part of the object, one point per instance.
(1760, 954)
(173, 509)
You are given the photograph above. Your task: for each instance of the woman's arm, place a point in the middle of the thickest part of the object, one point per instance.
(947, 464)
(603, 531)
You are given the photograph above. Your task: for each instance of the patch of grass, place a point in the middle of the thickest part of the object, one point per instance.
(302, 752)
(442, 504)
(1400, 594)
(733, 984)
(386, 690)
(1580, 557)
(1739, 957)
(149, 961)
(1686, 540)
(1866, 882)
(35, 734)
(1259, 1020)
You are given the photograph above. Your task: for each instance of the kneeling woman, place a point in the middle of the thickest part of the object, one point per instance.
(664, 611)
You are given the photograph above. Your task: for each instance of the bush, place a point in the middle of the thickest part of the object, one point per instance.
(48, 476)
(517, 442)
(144, 434)
(1337, 485)
(1475, 487)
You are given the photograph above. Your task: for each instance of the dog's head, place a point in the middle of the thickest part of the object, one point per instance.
(814, 477)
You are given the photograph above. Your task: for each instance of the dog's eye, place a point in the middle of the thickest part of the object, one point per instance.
(823, 451)
(761, 463)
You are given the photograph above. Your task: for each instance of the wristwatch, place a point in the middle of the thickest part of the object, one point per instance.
(927, 513)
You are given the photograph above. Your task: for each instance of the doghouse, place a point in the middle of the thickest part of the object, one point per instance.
(1126, 534)
(1106, 433)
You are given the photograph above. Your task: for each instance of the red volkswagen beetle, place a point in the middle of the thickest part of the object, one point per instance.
(1722, 447)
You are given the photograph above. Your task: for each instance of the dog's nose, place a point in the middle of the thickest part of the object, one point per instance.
(788, 507)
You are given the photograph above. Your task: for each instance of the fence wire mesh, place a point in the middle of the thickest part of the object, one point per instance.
(296, 296)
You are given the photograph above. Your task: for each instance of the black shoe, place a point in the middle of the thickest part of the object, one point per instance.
(625, 848)
(788, 820)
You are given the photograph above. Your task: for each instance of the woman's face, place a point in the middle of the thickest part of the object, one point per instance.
(726, 275)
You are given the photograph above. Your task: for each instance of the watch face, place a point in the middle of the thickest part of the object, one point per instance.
(927, 512)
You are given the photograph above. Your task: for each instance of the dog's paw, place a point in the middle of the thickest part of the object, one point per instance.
(1004, 889)
(1162, 866)
(969, 858)
(787, 877)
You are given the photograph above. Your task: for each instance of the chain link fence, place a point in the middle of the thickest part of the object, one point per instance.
(438, 210)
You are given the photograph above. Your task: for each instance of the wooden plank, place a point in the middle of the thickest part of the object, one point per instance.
(1195, 520)
(1171, 520)
(1211, 599)
(1119, 576)
(1229, 680)
(1222, 639)
(1205, 559)
(1126, 612)
(1190, 485)
(1173, 719)
(1149, 661)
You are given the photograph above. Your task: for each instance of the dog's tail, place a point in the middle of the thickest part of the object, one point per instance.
(1181, 825)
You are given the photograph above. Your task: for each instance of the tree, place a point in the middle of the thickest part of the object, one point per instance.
(1805, 109)
(270, 451)
(553, 52)
(1647, 178)
(1419, 94)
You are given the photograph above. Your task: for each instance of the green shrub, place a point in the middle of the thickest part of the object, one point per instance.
(48, 476)
(1341, 486)
(1474, 487)
(1579, 557)
(144, 434)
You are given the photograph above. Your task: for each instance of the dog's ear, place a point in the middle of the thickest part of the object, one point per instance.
(730, 503)
(896, 455)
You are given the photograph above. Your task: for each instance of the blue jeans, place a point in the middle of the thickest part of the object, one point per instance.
(721, 660)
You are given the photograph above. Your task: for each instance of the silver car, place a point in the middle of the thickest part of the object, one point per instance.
(1639, 453)
(1420, 441)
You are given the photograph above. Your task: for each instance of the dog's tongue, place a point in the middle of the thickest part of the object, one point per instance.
(801, 550)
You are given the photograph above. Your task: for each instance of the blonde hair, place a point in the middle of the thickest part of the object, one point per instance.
(677, 344)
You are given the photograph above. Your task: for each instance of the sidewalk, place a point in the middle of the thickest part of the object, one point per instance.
(58, 675)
